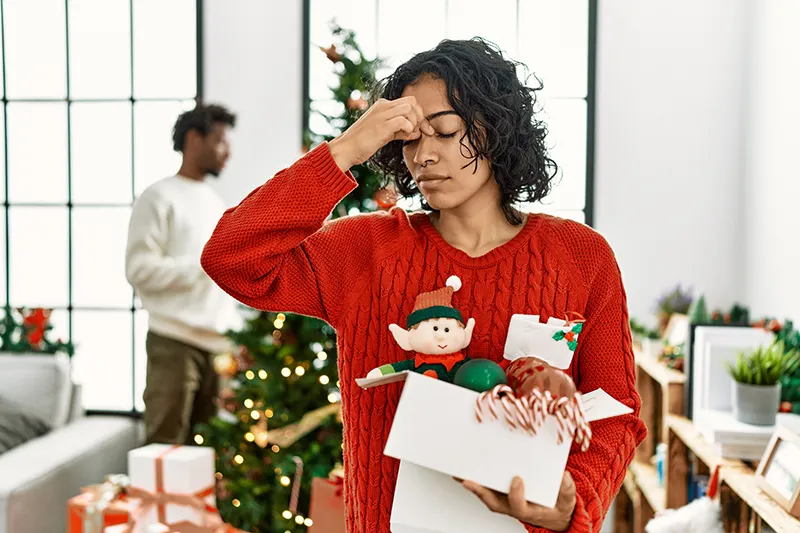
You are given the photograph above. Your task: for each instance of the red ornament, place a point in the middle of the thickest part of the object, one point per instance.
(35, 322)
(357, 104)
(786, 407)
(386, 198)
(527, 373)
(774, 326)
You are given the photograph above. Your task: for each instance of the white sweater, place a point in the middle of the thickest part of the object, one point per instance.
(170, 224)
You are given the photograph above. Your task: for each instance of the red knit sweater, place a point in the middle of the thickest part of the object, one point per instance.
(276, 251)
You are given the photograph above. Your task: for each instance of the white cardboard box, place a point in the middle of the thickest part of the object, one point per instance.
(435, 427)
(186, 470)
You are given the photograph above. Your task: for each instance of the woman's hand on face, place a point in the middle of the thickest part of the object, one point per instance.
(514, 504)
(385, 121)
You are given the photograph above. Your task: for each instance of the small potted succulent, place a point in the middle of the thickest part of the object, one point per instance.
(756, 385)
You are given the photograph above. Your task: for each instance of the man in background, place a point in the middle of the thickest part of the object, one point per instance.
(170, 224)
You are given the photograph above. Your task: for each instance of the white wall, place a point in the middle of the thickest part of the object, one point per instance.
(253, 64)
(772, 179)
(669, 139)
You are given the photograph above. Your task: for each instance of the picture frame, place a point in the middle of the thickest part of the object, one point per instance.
(778, 472)
(690, 357)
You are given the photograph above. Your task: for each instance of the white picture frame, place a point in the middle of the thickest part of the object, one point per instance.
(714, 347)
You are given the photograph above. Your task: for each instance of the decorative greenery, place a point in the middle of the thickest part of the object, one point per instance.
(790, 383)
(640, 330)
(737, 315)
(673, 356)
(26, 331)
(765, 365)
(286, 374)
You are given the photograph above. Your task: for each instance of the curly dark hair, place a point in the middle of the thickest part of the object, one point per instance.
(498, 109)
(200, 119)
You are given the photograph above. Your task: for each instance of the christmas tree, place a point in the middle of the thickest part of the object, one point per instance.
(356, 75)
(280, 425)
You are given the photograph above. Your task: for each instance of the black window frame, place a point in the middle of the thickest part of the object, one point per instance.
(590, 99)
(69, 205)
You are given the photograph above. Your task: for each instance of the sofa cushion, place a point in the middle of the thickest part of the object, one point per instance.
(40, 382)
(18, 426)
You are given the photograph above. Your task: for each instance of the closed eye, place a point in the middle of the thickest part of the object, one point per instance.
(439, 135)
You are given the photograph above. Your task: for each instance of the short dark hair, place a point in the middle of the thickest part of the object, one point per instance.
(201, 119)
(484, 89)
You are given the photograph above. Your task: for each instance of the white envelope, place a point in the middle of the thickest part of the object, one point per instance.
(527, 337)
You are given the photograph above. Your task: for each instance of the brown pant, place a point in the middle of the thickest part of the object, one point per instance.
(180, 391)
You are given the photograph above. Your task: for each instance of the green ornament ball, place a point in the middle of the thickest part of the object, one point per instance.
(480, 375)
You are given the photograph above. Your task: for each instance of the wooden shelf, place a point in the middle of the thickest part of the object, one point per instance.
(745, 486)
(745, 506)
(692, 439)
(660, 373)
(646, 478)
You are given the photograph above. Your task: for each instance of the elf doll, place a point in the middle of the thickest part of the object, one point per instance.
(436, 333)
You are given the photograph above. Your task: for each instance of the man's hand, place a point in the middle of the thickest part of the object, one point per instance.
(515, 505)
(385, 121)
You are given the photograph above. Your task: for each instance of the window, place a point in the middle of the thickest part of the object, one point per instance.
(553, 38)
(89, 97)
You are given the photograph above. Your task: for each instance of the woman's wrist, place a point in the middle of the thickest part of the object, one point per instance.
(340, 154)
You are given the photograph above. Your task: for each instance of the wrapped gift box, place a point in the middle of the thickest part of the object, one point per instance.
(327, 506)
(160, 469)
(80, 518)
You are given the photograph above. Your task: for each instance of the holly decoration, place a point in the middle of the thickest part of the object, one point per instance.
(480, 375)
(26, 330)
(570, 336)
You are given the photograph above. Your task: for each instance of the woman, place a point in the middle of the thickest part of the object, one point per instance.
(456, 126)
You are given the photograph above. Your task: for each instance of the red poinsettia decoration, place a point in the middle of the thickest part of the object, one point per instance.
(35, 322)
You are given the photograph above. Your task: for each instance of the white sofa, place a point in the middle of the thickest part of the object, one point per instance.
(38, 477)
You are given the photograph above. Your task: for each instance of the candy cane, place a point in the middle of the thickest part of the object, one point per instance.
(298, 473)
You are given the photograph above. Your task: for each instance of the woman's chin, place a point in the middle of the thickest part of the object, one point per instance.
(440, 202)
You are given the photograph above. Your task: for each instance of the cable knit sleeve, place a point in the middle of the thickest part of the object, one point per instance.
(605, 360)
(275, 250)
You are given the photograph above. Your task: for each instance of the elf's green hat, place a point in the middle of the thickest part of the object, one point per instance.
(436, 304)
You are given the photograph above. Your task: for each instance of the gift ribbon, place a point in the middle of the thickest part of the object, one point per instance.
(577, 317)
(212, 521)
(101, 496)
(338, 482)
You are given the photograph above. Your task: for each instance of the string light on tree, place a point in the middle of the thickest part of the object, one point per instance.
(324, 380)
(248, 403)
(285, 372)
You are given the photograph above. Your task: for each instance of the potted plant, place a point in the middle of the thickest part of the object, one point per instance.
(645, 339)
(676, 301)
(757, 382)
